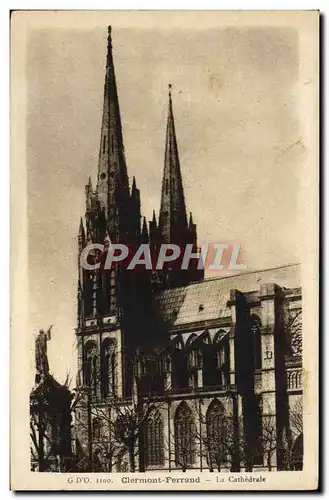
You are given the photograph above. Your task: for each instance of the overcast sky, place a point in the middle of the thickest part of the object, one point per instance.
(239, 137)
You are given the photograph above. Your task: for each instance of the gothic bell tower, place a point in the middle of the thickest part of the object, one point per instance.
(107, 297)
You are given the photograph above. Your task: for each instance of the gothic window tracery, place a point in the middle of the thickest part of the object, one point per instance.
(294, 379)
(154, 445)
(90, 367)
(296, 337)
(220, 357)
(216, 435)
(194, 359)
(192, 368)
(108, 367)
(184, 436)
(191, 359)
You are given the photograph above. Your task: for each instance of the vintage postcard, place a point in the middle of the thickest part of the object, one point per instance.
(164, 200)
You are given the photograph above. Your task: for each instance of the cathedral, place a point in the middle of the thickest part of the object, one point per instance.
(177, 371)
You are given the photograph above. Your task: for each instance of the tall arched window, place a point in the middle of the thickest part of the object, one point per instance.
(154, 445)
(108, 367)
(194, 361)
(217, 429)
(90, 366)
(221, 353)
(255, 328)
(184, 436)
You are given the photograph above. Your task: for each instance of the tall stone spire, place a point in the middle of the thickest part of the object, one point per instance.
(172, 218)
(112, 182)
(173, 225)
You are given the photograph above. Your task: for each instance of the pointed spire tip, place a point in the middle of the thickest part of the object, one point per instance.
(144, 227)
(134, 189)
(81, 228)
(109, 38)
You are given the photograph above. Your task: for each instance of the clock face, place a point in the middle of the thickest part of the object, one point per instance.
(296, 334)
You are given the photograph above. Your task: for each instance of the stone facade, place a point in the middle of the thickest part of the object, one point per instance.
(178, 371)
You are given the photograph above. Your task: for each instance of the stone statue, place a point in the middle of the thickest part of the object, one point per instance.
(41, 358)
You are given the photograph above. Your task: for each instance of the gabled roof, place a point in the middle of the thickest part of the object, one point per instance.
(207, 300)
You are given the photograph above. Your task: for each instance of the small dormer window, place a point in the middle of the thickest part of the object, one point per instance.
(201, 307)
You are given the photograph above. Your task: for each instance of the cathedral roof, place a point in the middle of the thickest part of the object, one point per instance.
(207, 300)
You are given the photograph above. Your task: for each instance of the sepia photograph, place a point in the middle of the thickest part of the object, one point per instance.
(165, 219)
